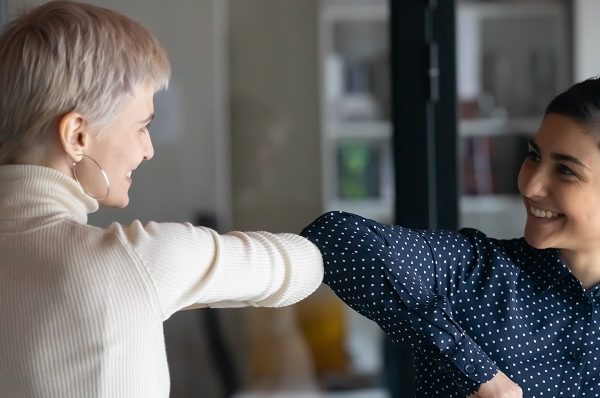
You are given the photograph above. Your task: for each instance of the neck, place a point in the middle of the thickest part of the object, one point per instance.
(56, 160)
(585, 265)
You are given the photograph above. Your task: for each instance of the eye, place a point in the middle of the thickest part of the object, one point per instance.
(562, 169)
(533, 155)
(569, 174)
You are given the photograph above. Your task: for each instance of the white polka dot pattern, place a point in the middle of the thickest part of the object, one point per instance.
(468, 304)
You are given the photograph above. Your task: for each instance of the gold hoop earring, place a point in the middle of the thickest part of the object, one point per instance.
(101, 172)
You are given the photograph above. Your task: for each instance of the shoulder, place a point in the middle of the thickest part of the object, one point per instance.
(473, 242)
(481, 239)
(98, 244)
(514, 252)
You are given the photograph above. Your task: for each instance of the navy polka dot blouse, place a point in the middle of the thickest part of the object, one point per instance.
(468, 304)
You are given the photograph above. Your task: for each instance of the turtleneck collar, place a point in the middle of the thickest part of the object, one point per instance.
(35, 191)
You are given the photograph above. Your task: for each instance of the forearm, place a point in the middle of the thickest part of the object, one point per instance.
(187, 266)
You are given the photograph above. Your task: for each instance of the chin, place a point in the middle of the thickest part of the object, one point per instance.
(535, 243)
(115, 203)
(123, 204)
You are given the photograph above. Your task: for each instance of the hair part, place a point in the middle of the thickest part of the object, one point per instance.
(63, 57)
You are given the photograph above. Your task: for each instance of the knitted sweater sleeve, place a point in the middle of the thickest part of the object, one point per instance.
(190, 266)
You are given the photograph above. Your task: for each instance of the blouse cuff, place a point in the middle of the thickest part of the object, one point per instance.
(472, 366)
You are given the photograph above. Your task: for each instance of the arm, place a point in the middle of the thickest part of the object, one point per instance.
(394, 276)
(191, 266)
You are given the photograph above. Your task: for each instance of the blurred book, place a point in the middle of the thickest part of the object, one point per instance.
(359, 169)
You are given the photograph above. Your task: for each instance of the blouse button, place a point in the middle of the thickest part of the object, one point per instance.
(470, 369)
(576, 354)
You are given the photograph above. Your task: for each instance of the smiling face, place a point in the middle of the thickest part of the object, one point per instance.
(560, 185)
(123, 145)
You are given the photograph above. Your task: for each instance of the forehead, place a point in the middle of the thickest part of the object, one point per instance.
(142, 98)
(137, 107)
(562, 134)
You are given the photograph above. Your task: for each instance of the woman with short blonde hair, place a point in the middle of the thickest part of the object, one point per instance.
(82, 307)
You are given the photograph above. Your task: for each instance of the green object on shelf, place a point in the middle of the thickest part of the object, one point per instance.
(358, 169)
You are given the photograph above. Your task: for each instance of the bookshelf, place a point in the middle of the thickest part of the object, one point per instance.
(356, 132)
(513, 58)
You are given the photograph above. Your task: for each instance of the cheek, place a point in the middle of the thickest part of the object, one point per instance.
(582, 209)
(113, 160)
(587, 206)
(522, 177)
(117, 153)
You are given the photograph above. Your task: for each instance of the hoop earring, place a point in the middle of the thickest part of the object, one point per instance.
(101, 171)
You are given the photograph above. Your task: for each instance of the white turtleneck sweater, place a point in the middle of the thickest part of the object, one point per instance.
(81, 307)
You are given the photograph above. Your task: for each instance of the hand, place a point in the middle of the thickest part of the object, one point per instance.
(499, 387)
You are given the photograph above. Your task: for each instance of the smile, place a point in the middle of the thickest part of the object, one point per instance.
(541, 213)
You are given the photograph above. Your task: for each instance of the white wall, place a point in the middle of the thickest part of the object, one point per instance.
(275, 138)
(586, 31)
(189, 172)
(275, 130)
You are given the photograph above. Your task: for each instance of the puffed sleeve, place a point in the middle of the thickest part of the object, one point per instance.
(393, 276)
(190, 266)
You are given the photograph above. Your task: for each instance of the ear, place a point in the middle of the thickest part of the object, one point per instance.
(73, 135)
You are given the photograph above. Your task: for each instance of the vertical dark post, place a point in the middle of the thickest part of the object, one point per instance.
(446, 112)
(423, 74)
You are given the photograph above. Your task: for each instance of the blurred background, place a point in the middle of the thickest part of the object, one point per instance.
(412, 112)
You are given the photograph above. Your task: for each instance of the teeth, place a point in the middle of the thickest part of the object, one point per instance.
(542, 213)
(129, 174)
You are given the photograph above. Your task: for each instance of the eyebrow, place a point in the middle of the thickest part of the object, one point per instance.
(559, 156)
(148, 119)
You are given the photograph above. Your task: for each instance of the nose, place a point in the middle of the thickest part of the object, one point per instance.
(148, 148)
(533, 180)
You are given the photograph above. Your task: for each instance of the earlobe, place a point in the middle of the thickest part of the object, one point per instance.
(73, 135)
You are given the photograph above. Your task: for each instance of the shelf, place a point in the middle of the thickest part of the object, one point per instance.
(354, 10)
(512, 9)
(380, 130)
(490, 126)
(490, 203)
(499, 216)
(380, 210)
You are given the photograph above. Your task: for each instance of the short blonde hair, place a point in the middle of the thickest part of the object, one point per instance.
(65, 56)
